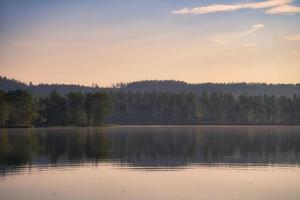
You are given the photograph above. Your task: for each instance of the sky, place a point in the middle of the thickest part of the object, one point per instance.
(111, 41)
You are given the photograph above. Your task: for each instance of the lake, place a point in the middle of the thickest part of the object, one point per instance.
(151, 162)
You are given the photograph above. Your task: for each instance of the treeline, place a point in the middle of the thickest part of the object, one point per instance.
(20, 109)
(44, 89)
(173, 86)
(213, 108)
(169, 86)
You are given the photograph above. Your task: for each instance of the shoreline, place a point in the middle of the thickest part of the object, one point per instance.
(155, 125)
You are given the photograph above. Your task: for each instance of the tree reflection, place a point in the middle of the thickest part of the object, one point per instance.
(150, 146)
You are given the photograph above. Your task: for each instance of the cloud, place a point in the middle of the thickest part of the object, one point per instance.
(258, 26)
(275, 7)
(284, 9)
(294, 37)
(207, 9)
(226, 38)
(253, 29)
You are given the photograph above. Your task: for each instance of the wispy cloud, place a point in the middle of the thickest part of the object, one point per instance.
(226, 38)
(272, 6)
(284, 9)
(253, 29)
(293, 37)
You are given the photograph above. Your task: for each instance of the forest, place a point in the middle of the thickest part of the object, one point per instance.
(213, 108)
(169, 86)
(19, 108)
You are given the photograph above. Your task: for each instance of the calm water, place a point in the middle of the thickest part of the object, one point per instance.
(151, 162)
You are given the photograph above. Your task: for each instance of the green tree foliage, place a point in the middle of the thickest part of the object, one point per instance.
(76, 108)
(207, 108)
(4, 109)
(97, 107)
(55, 109)
(19, 109)
(22, 111)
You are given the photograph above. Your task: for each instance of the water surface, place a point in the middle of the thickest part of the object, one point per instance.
(151, 162)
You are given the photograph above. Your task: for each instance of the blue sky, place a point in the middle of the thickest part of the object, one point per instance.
(108, 41)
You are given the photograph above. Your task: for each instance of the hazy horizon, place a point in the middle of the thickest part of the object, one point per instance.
(114, 84)
(112, 41)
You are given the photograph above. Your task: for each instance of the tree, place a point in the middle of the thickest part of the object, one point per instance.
(76, 108)
(97, 106)
(4, 109)
(18, 108)
(22, 108)
(55, 109)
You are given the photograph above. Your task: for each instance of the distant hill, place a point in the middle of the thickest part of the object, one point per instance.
(43, 89)
(199, 88)
(171, 86)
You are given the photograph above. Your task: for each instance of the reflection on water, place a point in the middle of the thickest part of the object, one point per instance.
(162, 163)
(150, 147)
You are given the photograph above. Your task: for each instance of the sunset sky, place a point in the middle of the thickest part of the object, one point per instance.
(110, 41)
